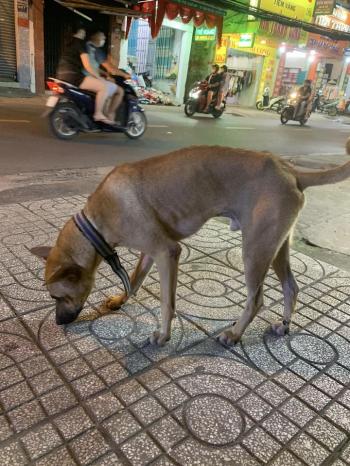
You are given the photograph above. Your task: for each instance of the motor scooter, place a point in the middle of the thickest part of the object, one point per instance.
(71, 109)
(288, 112)
(276, 104)
(197, 100)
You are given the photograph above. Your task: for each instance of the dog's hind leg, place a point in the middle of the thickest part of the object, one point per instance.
(281, 265)
(167, 262)
(261, 242)
(142, 268)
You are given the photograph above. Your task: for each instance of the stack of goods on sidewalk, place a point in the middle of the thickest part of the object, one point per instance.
(149, 95)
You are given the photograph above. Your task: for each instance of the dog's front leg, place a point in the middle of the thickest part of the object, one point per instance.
(142, 268)
(256, 264)
(167, 263)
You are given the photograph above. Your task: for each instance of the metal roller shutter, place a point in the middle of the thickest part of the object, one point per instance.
(8, 67)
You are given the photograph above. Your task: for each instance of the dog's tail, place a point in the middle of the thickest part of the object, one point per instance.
(335, 175)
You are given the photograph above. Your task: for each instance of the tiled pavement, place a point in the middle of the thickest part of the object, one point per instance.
(96, 393)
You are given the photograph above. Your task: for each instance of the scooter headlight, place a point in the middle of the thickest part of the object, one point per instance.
(195, 93)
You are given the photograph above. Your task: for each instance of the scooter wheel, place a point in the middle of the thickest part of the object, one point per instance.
(284, 117)
(217, 113)
(190, 108)
(136, 126)
(62, 121)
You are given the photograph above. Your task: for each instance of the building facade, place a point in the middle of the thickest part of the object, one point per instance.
(21, 44)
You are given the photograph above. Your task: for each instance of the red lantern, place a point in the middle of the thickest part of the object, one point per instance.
(172, 10)
(186, 14)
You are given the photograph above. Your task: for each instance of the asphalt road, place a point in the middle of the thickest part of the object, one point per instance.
(34, 165)
(26, 144)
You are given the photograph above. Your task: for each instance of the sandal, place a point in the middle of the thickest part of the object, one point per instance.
(106, 121)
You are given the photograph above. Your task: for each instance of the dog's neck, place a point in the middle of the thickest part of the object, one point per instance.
(103, 223)
(80, 250)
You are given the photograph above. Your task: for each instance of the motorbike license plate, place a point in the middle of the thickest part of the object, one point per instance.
(52, 101)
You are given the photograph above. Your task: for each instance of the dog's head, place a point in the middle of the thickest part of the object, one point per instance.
(68, 283)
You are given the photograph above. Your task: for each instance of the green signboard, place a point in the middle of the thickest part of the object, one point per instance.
(204, 33)
(246, 40)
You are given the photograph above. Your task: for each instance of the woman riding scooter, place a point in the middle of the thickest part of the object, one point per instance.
(214, 81)
(98, 60)
(74, 61)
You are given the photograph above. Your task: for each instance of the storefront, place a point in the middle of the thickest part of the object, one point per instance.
(164, 59)
(251, 61)
(330, 63)
(17, 43)
(8, 61)
(160, 44)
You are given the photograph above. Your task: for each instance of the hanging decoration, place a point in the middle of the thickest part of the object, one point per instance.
(155, 13)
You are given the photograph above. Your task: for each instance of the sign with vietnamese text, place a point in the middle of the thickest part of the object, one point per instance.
(203, 33)
(246, 40)
(328, 47)
(339, 20)
(23, 13)
(296, 9)
(324, 7)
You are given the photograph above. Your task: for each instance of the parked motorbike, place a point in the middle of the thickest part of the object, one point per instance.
(276, 104)
(197, 100)
(325, 106)
(338, 107)
(288, 111)
(147, 78)
(71, 111)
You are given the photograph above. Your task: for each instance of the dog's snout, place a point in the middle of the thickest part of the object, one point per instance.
(64, 316)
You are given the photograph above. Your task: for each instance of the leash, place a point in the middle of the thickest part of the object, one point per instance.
(102, 248)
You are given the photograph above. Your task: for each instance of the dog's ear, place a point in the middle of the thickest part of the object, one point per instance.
(41, 251)
(71, 273)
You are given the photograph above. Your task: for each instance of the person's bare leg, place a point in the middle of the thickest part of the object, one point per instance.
(219, 101)
(115, 102)
(209, 99)
(101, 89)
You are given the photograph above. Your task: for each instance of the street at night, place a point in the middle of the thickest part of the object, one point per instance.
(26, 134)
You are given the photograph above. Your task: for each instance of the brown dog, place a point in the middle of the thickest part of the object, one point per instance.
(152, 204)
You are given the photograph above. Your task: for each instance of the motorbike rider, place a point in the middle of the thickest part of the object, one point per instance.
(99, 61)
(224, 86)
(74, 60)
(213, 80)
(304, 95)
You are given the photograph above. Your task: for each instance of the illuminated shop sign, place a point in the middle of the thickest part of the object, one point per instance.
(246, 40)
(205, 34)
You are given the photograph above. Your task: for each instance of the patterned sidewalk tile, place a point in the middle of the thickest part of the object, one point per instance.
(96, 393)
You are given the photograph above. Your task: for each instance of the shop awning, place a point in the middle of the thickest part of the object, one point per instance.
(241, 7)
(118, 7)
(186, 10)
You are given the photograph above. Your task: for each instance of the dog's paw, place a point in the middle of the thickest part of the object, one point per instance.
(280, 329)
(228, 338)
(114, 302)
(158, 339)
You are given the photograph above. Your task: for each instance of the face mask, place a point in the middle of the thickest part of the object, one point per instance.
(102, 42)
